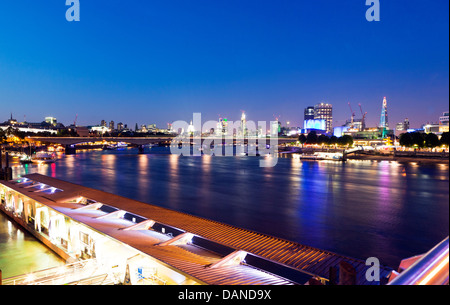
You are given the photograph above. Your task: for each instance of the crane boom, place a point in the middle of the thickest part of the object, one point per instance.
(353, 114)
(363, 124)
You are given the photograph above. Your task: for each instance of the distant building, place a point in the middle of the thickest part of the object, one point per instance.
(143, 129)
(315, 124)
(309, 113)
(431, 128)
(376, 133)
(25, 128)
(120, 126)
(402, 127)
(30, 127)
(103, 123)
(324, 111)
(243, 126)
(339, 131)
(444, 123)
(82, 131)
(221, 127)
(111, 125)
(100, 129)
(51, 120)
(384, 122)
(152, 128)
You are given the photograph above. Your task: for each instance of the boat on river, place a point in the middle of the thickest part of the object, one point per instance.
(43, 157)
(323, 156)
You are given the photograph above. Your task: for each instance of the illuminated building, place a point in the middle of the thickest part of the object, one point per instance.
(324, 111)
(444, 123)
(51, 120)
(402, 127)
(315, 124)
(221, 127)
(243, 127)
(384, 123)
(191, 129)
(100, 129)
(376, 133)
(339, 131)
(309, 113)
(431, 128)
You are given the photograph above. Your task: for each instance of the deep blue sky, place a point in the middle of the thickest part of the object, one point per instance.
(144, 61)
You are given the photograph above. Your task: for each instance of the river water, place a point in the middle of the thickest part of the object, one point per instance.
(362, 209)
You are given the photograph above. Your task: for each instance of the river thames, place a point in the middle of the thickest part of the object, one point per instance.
(388, 210)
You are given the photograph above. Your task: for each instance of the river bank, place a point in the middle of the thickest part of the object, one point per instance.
(386, 157)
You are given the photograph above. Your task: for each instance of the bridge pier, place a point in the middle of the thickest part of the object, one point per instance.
(141, 149)
(70, 150)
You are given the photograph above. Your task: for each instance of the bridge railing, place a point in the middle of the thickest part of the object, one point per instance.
(431, 269)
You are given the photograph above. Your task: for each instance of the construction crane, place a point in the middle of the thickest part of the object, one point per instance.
(75, 122)
(353, 115)
(363, 120)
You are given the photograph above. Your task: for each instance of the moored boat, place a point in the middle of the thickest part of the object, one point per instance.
(43, 157)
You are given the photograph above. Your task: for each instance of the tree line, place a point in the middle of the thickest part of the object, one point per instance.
(11, 131)
(421, 140)
(313, 138)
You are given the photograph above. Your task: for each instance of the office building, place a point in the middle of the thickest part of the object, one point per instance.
(309, 113)
(324, 111)
(443, 122)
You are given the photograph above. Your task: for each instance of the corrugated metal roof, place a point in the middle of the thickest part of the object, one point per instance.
(291, 254)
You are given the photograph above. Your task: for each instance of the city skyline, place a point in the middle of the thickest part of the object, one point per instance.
(160, 62)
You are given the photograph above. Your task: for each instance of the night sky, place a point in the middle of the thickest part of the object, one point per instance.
(145, 61)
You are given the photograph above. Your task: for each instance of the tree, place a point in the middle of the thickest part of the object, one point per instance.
(311, 138)
(333, 140)
(445, 139)
(418, 139)
(345, 140)
(302, 139)
(323, 139)
(406, 140)
(431, 140)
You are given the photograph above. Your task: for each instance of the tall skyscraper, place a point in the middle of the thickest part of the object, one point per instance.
(324, 111)
(384, 123)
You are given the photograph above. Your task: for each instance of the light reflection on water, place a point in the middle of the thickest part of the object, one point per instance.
(21, 253)
(389, 210)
